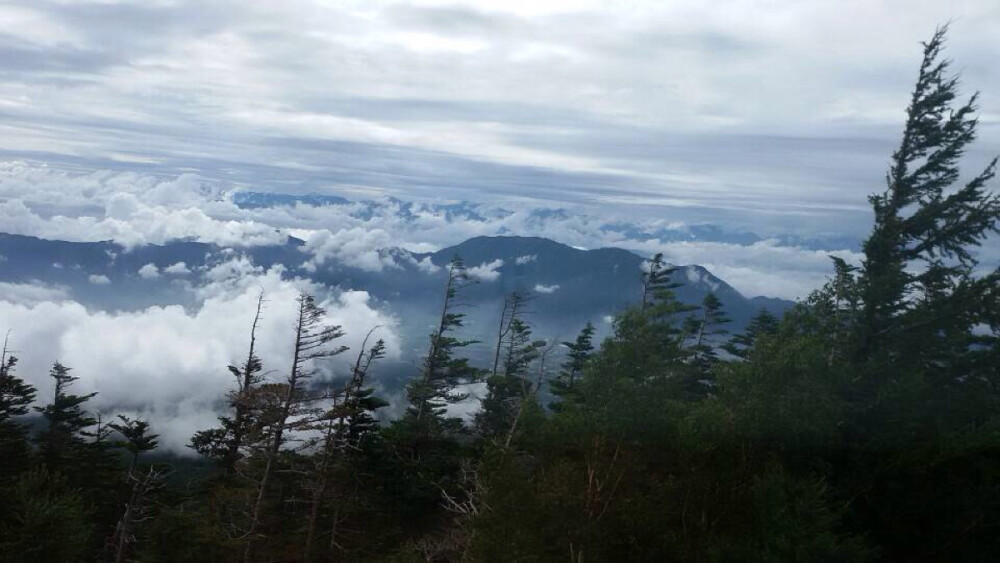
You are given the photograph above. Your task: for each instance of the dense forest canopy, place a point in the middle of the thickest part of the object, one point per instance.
(862, 425)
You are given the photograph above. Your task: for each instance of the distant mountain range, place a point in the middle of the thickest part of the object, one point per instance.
(571, 286)
(469, 211)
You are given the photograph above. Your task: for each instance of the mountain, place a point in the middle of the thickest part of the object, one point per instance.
(570, 286)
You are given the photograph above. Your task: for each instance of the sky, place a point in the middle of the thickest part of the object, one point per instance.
(774, 116)
(590, 123)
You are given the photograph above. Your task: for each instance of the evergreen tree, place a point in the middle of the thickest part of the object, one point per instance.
(136, 438)
(513, 309)
(763, 324)
(704, 333)
(443, 371)
(345, 425)
(579, 353)
(919, 292)
(16, 397)
(312, 342)
(506, 391)
(44, 519)
(227, 441)
(61, 445)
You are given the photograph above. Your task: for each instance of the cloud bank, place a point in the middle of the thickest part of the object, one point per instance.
(166, 363)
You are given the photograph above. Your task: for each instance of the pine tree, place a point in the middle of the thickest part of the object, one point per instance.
(61, 445)
(16, 397)
(44, 519)
(350, 419)
(656, 281)
(704, 333)
(136, 438)
(513, 308)
(227, 441)
(580, 351)
(443, 371)
(507, 390)
(920, 296)
(761, 325)
(313, 339)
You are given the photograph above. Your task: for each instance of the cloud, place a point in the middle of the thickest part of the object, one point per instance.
(149, 272)
(366, 234)
(168, 363)
(563, 102)
(98, 279)
(522, 260)
(546, 288)
(355, 247)
(177, 269)
(32, 293)
(487, 271)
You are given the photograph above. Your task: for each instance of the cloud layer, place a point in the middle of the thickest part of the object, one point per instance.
(770, 115)
(166, 363)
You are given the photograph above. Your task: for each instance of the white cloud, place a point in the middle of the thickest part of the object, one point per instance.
(424, 265)
(149, 272)
(546, 288)
(177, 269)
(31, 293)
(357, 247)
(168, 363)
(487, 271)
(522, 260)
(98, 279)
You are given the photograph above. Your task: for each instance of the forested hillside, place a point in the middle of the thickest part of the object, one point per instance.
(862, 425)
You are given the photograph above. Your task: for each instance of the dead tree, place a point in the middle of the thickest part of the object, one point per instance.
(312, 343)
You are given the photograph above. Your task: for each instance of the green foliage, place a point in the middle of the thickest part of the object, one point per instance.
(578, 354)
(43, 519)
(16, 397)
(443, 370)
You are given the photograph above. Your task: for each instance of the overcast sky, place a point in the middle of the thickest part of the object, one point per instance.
(777, 116)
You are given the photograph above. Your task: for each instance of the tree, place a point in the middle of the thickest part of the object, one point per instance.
(136, 437)
(656, 281)
(313, 338)
(705, 332)
(344, 426)
(44, 519)
(579, 353)
(507, 390)
(227, 441)
(513, 308)
(917, 280)
(16, 397)
(762, 324)
(443, 371)
(61, 445)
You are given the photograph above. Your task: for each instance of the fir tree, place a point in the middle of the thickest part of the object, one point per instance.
(61, 445)
(917, 280)
(443, 371)
(345, 425)
(704, 333)
(761, 325)
(507, 390)
(227, 441)
(136, 438)
(312, 342)
(580, 351)
(16, 397)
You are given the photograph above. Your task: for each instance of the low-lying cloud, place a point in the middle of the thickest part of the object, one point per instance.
(167, 363)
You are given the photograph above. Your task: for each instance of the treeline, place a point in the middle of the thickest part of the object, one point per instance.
(863, 425)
